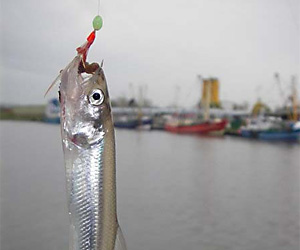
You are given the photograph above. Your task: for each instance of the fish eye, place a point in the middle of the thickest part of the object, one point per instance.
(96, 97)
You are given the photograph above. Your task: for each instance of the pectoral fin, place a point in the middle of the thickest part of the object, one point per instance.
(53, 83)
(120, 241)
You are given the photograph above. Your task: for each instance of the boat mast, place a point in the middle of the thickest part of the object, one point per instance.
(140, 105)
(294, 99)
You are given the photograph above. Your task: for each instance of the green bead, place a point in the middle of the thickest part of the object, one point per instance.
(97, 23)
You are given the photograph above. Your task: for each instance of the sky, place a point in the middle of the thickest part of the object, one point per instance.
(161, 45)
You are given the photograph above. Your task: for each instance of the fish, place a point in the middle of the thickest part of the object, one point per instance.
(88, 141)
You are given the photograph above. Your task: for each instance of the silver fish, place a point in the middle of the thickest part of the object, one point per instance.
(89, 151)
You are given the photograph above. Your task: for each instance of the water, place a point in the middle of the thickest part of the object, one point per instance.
(175, 192)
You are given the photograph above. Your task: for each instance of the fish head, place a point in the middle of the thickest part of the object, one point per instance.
(85, 106)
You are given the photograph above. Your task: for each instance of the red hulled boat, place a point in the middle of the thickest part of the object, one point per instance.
(200, 128)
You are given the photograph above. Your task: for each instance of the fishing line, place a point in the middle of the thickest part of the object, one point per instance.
(98, 7)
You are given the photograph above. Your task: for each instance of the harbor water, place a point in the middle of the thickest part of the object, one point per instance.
(175, 192)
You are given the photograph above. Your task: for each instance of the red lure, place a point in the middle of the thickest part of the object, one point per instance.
(83, 49)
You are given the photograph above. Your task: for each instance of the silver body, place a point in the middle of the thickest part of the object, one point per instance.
(89, 151)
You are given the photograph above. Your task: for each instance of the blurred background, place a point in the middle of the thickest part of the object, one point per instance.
(205, 98)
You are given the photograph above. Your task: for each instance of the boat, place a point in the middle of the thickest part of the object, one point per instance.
(191, 123)
(275, 128)
(52, 112)
(144, 123)
(126, 122)
(199, 128)
(273, 135)
(159, 121)
(135, 119)
(233, 128)
(280, 135)
(271, 129)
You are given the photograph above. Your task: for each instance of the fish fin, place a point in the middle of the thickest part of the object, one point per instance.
(52, 84)
(59, 76)
(120, 243)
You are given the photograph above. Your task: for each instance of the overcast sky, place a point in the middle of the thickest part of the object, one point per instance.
(161, 44)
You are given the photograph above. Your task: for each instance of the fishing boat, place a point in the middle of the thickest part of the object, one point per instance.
(159, 121)
(272, 129)
(144, 123)
(52, 112)
(126, 122)
(275, 128)
(189, 124)
(291, 135)
(202, 128)
(134, 117)
(129, 122)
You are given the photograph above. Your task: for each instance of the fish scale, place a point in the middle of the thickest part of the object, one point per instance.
(86, 196)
